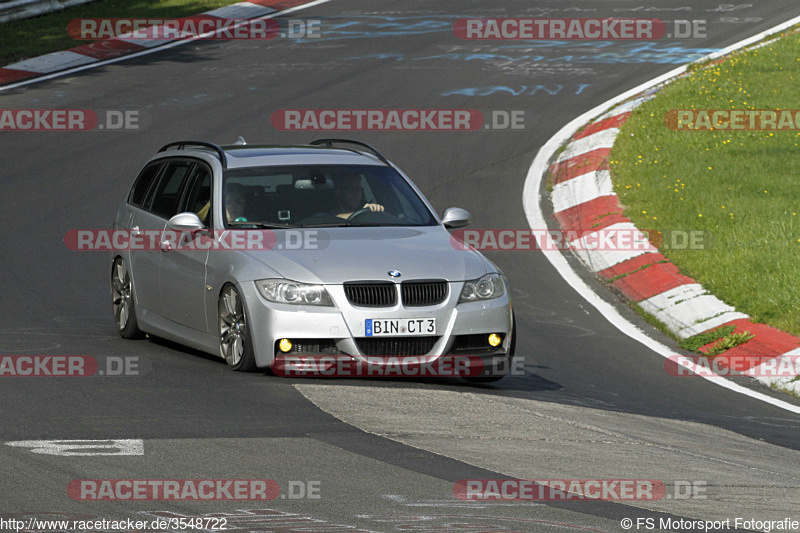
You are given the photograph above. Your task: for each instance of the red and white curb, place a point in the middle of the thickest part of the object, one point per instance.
(583, 197)
(117, 48)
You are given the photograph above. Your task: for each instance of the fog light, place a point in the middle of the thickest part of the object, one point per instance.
(285, 345)
(495, 339)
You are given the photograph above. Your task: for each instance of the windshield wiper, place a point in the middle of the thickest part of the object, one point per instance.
(325, 225)
(378, 225)
(265, 225)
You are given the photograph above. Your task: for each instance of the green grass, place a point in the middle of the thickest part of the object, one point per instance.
(22, 39)
(724, 335)
(695, 342)
(728, 342)
(742, 186)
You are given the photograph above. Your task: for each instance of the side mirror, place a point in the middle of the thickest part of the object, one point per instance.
(185, 222)
(455, 217)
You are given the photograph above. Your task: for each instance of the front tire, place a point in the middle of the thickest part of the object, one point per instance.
(123, 301)
(235, 345)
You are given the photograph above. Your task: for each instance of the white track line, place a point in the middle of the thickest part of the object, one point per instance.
(150, 50)
(531, 203)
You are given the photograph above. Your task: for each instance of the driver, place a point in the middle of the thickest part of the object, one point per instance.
(350, 197)
(235, 204)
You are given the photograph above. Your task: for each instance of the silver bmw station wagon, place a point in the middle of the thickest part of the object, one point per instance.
(261, 254)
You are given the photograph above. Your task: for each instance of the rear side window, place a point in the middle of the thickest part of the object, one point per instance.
(164, 197)
(143, 183)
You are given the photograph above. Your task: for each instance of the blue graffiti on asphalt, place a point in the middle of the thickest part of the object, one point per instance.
(643, 52)
(376, 26)
(503, 52)
(520, 90)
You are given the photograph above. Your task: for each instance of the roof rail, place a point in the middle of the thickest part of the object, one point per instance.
(217, 148)
(330, 142)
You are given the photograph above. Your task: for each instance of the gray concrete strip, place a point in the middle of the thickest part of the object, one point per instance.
(351, 492)
(529, 439)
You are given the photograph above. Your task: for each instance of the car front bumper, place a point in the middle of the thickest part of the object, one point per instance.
(341, 330)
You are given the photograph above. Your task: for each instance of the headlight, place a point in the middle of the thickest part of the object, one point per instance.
(485, 288)
(284, 291)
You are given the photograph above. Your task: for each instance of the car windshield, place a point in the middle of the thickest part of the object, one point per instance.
(321, 195)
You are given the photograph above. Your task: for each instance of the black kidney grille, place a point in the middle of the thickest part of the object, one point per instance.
(420, 293)
(396, 346)
(377, 294)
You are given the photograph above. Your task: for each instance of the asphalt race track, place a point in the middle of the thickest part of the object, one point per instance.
(367, 455)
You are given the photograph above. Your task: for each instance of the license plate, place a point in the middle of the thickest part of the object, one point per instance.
(377, 327)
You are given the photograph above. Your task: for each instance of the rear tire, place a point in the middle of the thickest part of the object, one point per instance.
(123, 301)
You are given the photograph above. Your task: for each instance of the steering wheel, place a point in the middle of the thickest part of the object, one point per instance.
(358, 212)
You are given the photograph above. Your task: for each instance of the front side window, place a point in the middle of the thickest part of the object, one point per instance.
(321, 195)
(197, 194)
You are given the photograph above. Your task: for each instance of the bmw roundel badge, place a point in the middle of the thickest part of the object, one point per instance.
(395, 273)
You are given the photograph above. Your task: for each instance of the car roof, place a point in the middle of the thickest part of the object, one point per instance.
(242, 155)
(283, 155)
